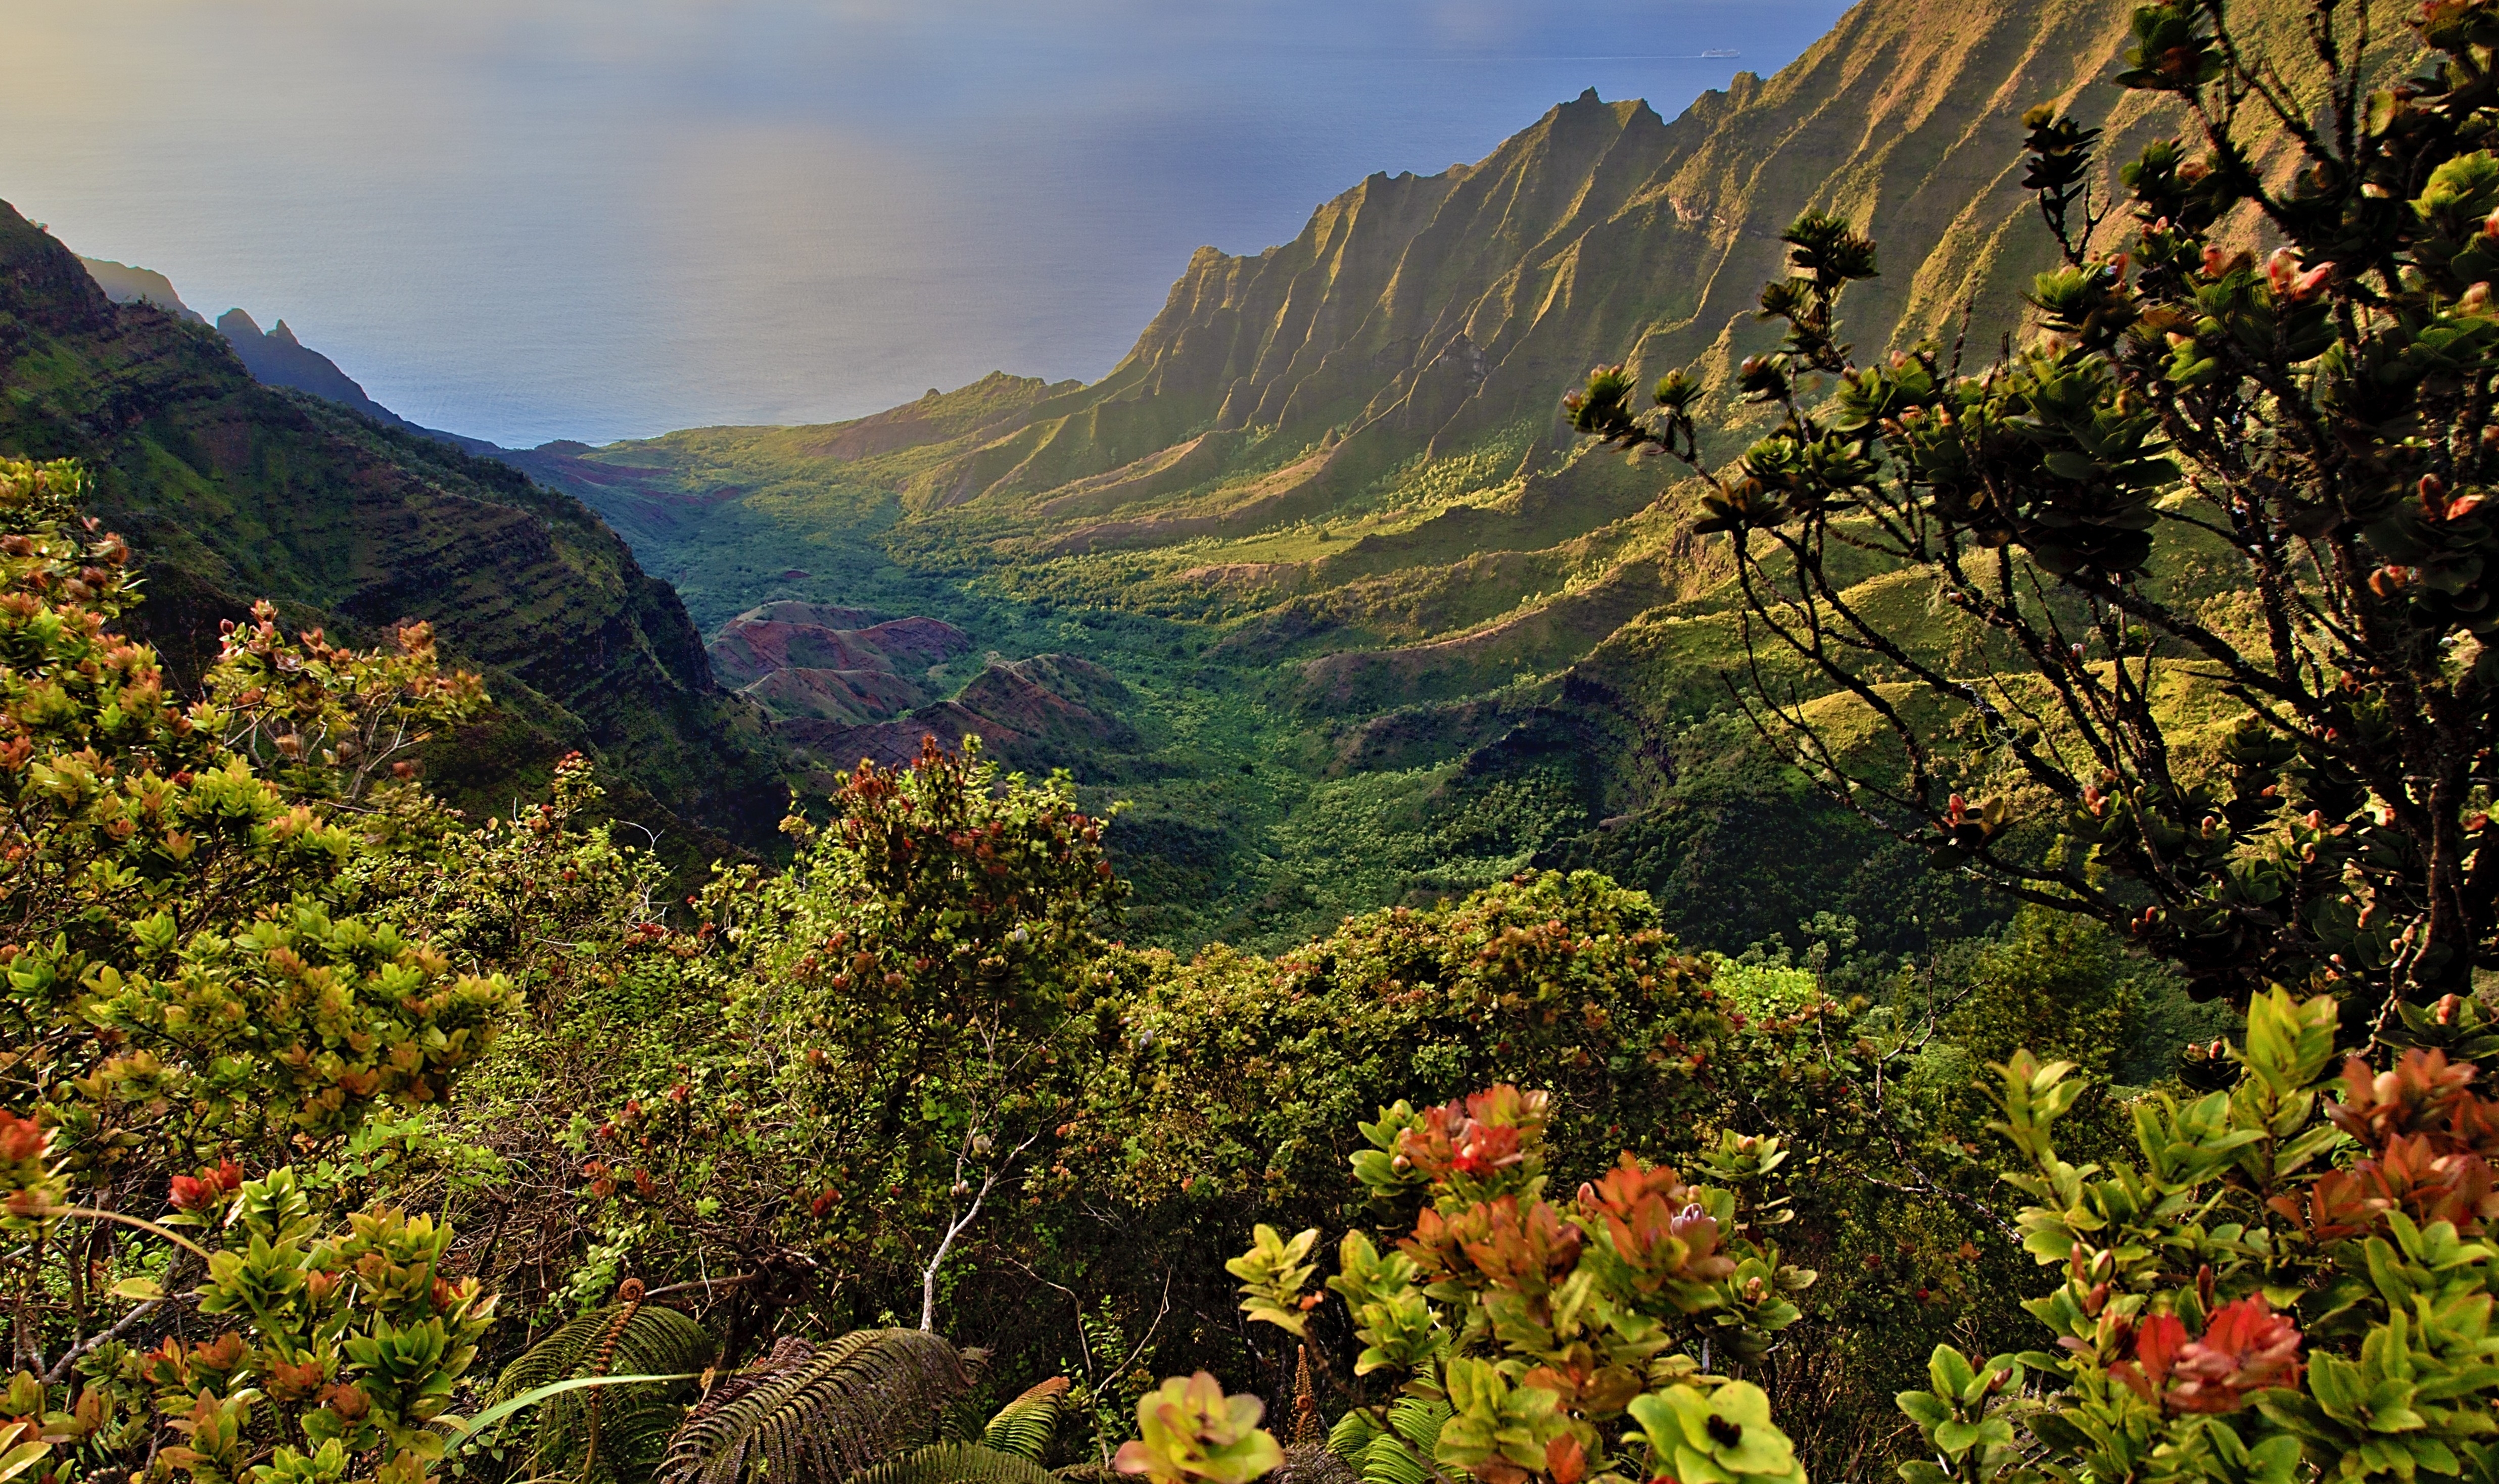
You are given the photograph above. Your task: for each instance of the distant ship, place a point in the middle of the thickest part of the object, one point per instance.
(1717, 51)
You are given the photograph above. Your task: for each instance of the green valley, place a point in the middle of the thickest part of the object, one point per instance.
(1392, 630)
(1811, 791)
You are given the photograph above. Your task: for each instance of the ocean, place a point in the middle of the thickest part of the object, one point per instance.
(595, 220)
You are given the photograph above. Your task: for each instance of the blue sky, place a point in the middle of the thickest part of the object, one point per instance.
(527, 219)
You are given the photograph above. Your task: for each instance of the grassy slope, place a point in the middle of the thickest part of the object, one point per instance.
(233, 491)
(1394, 633)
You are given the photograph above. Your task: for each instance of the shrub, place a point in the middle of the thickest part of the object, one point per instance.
(2311, 433)
(1554, 1341)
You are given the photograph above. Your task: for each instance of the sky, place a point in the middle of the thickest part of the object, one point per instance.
(595, 220)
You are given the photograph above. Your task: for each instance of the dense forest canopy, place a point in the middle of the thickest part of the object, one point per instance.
(349, 1134)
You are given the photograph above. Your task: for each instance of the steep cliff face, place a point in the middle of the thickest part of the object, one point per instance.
(1392, 628)
(231, 491)
(274, 357)
(1398, 363)
(1434, 316)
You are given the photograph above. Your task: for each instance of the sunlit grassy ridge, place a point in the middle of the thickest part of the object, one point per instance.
(1392, 631)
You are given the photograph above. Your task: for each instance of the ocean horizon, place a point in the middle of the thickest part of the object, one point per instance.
(590, 221)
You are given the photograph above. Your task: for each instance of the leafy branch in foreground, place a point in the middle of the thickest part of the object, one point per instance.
(1552, 1342)
(2263, 484)
(2288, 1285)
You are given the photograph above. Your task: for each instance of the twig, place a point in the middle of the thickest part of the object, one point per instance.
(705, 1284)
(954, 1229)
(61, 1370)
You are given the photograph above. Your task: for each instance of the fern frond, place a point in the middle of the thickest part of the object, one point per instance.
(1398, 1456)
(1352, 1435)
(654, 1340)
(613, 1435)
(1026, 1426)
(806, 1414)
(1419, 1421)
(956, 1462)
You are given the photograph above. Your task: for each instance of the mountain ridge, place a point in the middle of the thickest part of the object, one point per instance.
(1384, 628)
(1390, 626)
(230, 490)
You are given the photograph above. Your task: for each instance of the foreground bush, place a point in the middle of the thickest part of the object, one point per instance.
(207, 974)
(2287, 1285)
(1543, 1339)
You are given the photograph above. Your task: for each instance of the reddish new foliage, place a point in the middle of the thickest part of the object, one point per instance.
(2429, 1139)
(20, 1138)
(2422, 1094)
(1657, 1225)
(212, 1184)
(1478, 1137)
(1497, 1244)
(2247, 1348)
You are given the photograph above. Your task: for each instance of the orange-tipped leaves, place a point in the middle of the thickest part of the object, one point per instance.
(1273, 1274)
(1189, 1429)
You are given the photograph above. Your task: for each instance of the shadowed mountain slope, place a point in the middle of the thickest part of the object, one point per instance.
(231, 491)
(124, 285)
(274, 357)
(1392, 630)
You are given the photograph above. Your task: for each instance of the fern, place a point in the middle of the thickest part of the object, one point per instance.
(957, 1462)
(1026, 1426)
(809, 1414)
(1397, 1454)
(611, 1435)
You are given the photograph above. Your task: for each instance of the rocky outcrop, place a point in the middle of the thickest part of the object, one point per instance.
(792, 657)
(277, 358)
(1058, 702)
(1049, 710)
(747, 649)
(848, 696)
(124, 285)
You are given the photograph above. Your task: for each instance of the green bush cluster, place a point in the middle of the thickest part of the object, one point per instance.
(711, 1188)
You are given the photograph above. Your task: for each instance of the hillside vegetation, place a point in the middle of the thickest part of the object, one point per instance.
(1391, 630)
(230, 491)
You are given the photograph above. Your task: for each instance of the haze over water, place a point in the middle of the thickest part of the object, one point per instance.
(608, 218)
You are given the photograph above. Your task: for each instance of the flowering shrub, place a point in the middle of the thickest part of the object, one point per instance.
(858, 1060)
(1560, 1338)
(343, 1343)
(183, 977)
(2284, 1277)
(195, 985)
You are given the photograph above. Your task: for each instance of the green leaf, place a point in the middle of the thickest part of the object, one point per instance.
(462, 1431)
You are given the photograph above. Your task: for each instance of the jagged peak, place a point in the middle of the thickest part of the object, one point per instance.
(238, 321)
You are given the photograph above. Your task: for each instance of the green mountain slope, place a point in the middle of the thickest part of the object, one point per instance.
(1390, 631)
(232, 491)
